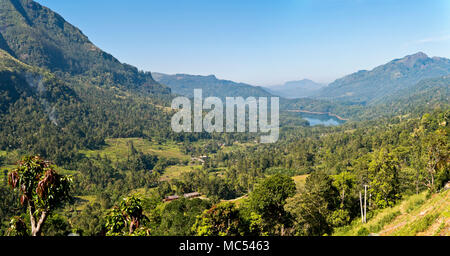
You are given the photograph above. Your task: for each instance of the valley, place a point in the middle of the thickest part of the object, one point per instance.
(101, 131)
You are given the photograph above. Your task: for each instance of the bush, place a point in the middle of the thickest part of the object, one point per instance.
(363, 232)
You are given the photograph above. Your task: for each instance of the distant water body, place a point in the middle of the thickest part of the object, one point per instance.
(321, 119)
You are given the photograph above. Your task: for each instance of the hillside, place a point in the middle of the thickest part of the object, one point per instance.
(400, 74)
(296, 89)
(40, 37)
(108, 125)
(184, 84)
(417, 215)
(424, 96)
(60, 93)
(20, 80)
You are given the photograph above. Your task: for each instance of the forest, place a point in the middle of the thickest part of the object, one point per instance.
(249, 190)
(86, 147)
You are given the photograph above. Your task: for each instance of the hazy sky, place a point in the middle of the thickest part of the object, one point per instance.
(261, 42)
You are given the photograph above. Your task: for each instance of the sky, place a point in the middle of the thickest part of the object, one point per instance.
(261, 42)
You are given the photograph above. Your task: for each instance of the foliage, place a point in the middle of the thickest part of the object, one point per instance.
(313, 208)
(41, 188)
(268, 200)
(17, 227)
(127, 218)
(383, 173)
(221, 220)
(178, 217)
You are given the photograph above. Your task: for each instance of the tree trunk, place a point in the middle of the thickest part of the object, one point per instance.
(32, 220)
(36, 227)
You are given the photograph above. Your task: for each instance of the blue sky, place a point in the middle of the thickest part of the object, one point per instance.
(261, 42)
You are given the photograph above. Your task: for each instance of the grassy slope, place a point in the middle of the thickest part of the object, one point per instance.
(117, 149)
(417, 215)
(175, 171)
(300, 180)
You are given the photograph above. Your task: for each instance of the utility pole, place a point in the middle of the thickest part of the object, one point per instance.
(363, 208)
(360, 204)
(365, 203)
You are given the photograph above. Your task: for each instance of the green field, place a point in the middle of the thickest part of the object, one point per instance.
(300, 180)
(117, 149)
(175, 171)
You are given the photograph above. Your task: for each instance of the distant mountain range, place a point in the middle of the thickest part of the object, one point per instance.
(184, 84)
(385, 82)
(365, 87)
(52, 48)
(295, 89)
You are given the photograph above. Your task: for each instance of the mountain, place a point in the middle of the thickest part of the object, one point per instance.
(295, 89)
(184, 84)
(59, 93)
(19, 80)
(427, 95)
(367, 86)
(40, 37)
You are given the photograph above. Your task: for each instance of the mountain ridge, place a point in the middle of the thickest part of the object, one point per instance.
(295, 89)
(365, 86)
(184, 84)
(40, 37)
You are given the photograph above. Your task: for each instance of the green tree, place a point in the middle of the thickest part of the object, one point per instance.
(41, 188)
(178, 217)
(126, 219)
(268, 200)
(344, 182)
(437, 159)
(222, 219)
(90, 221)
(313, 208)
(17, 227)
(384, 186)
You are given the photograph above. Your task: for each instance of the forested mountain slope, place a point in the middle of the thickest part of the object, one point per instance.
(399, 74)
(296, 89)
(60, 93)
(184, 84)
(40, 37)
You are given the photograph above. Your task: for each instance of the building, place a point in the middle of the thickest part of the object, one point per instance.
(171, 198)
(192, 195)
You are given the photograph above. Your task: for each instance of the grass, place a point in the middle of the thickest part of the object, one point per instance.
(117, 149)
(175, 171)
(419, 225)
(415, 215)
(8, 163)
(236, 146)
(82, 201)
(300, 180)
(238, 201)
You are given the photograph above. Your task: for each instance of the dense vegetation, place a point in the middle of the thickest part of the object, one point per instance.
(105, 126)
(184, 84)
(365, 86)
(404, 158)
